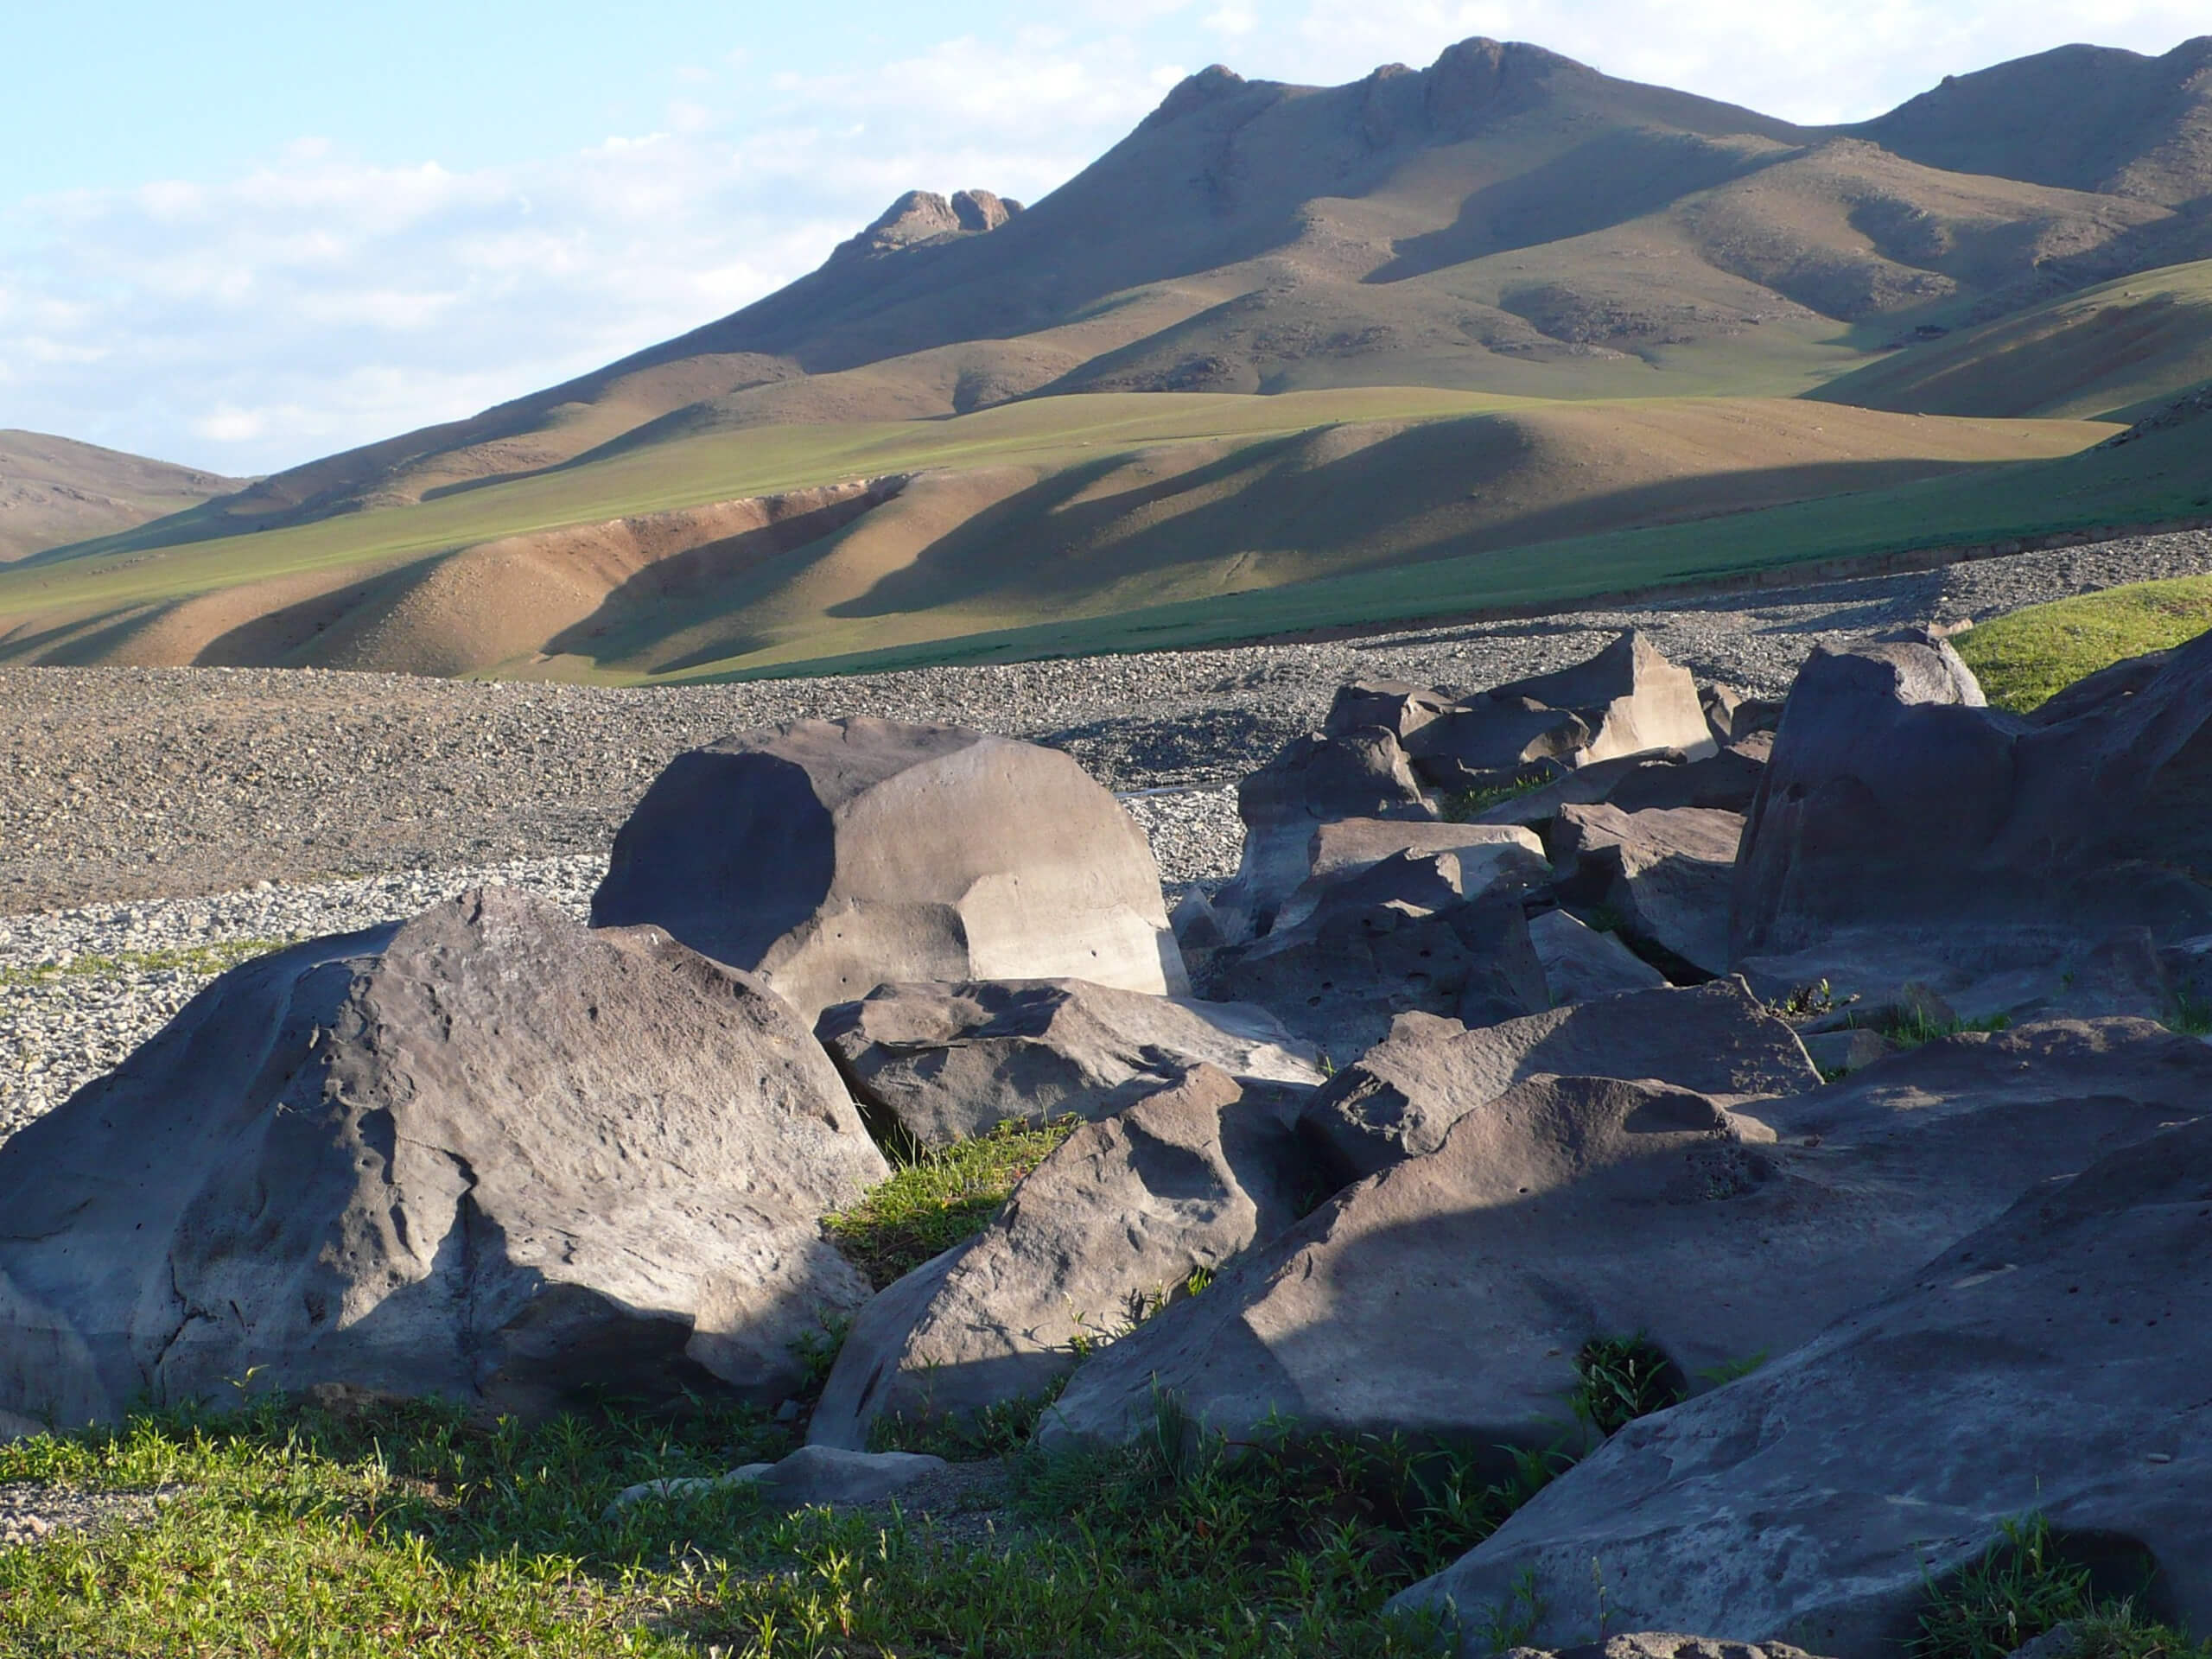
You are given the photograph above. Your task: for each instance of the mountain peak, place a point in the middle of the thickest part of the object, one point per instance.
(1210, 86)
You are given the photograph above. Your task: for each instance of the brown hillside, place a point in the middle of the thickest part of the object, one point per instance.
(1506, 219)
(55, 491)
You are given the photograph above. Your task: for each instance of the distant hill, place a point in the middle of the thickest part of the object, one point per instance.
(55, 491)
(1506, 219)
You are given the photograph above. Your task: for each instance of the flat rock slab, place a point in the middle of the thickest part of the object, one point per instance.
(1665, 872)
(2051, 1363)
(1486, 857)
(948, 1062)
(833, 856)
(1106, 1231)
(812, 1475)
(1400, 1099)
(485, 1153)
(1581, 964)
(1448, 1295)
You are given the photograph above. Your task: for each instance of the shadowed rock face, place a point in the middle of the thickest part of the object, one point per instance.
(484, 1154)
(834, 856)
(1449, 1293)
(945, 1062)
(1106, 1228)
(2052, 1362)
(1901, 821)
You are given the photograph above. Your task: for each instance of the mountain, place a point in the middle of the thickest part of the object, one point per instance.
(1506, 219)
(55, 490)
(1501, 329)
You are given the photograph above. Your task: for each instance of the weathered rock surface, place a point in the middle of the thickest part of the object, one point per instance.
(1356, 774)
(833, 856)
(1449, 1293)
(16, 1426)
(1104, 1231)
(1398, 1100)
(813, 1474)
(1486, 857)
(945, 1062)
(1901, 822)
(1398, 938)
(1655, 1645)
(1398, 708)
(1580, 964)
(1726, 781)
(1665, 872)
(485, 1153)
(2053, 1362)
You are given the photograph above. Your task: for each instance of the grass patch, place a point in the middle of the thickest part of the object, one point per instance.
(2024, 1586)
(1465, 805)
(1913, 1029)
(209, 959)
(2025, 659)
(1622, 1378)
(940, 1196)
(411, 1531)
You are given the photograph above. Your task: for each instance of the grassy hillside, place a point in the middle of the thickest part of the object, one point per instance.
(2115, 352)
(741, 548)
(2165, 477)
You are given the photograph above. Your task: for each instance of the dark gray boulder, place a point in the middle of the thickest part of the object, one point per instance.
(1106, 1230)
(1664, 874)
(1449, 1294)
(1491, 739)
(833, 856)
(1398, 938)
(2052, 1362)
(484, 1154)
(946, 1062)
(1399, 1099)
(1397, 707)
(1314, 780)
(812, 1475)
(1483, 858)
(1725, 781)
(1903, 828)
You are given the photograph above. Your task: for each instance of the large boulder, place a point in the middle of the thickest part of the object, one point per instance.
(484, 1154)
(946, 1062)
(2052, 1362)
(1403, 935)
(833, 856)
(1449, 1294)
(1399, 1099)
(1484, 857)
(1663, 872)
(1398, 708)
(1903, 828)
(1105, 1231)
(1360, 773)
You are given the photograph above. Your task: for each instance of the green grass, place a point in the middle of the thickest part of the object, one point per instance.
(1620, 1379)
(1917, 1028)
(2024, 1586)
(2025, 659)
(1462, 806)
(208, 959)
(938, 1196)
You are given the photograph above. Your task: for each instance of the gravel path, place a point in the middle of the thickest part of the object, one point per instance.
(147, 815)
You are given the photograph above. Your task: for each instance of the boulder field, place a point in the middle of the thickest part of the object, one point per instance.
(1830, 1049)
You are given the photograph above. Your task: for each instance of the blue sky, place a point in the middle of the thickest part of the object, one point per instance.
(244, 235)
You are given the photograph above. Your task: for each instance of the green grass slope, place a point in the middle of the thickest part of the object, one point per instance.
(2025, 659)
(2163, 478)
(2112, 352)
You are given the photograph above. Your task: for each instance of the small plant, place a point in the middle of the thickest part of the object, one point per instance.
(998, 1430)
(2018, 1591)
(2191, 1016)
(1917, 1026)
(1460, 806)
(1719, 1377)
(1511, 1622)
(942, 1195)
(1620, 1379)
(818, 1351)
(1808, 1001)
(207, 959)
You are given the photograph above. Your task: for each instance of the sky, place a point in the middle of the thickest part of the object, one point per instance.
(241, 235)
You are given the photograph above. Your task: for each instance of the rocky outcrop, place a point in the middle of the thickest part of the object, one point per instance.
(833, 856)
(1401, 1097)
(1903, 829)
(945, 1062)
(1580, 964)
(1485, 858)
(922, 216)
(1104, 1233)
(2051, 1363)
(1663, 873)
(484, 1154)
(1450, 1294)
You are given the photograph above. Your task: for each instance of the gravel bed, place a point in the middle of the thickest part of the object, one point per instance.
(145, 812)
(32, 1511)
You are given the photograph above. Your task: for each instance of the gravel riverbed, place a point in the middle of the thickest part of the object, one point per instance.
(150, 817)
